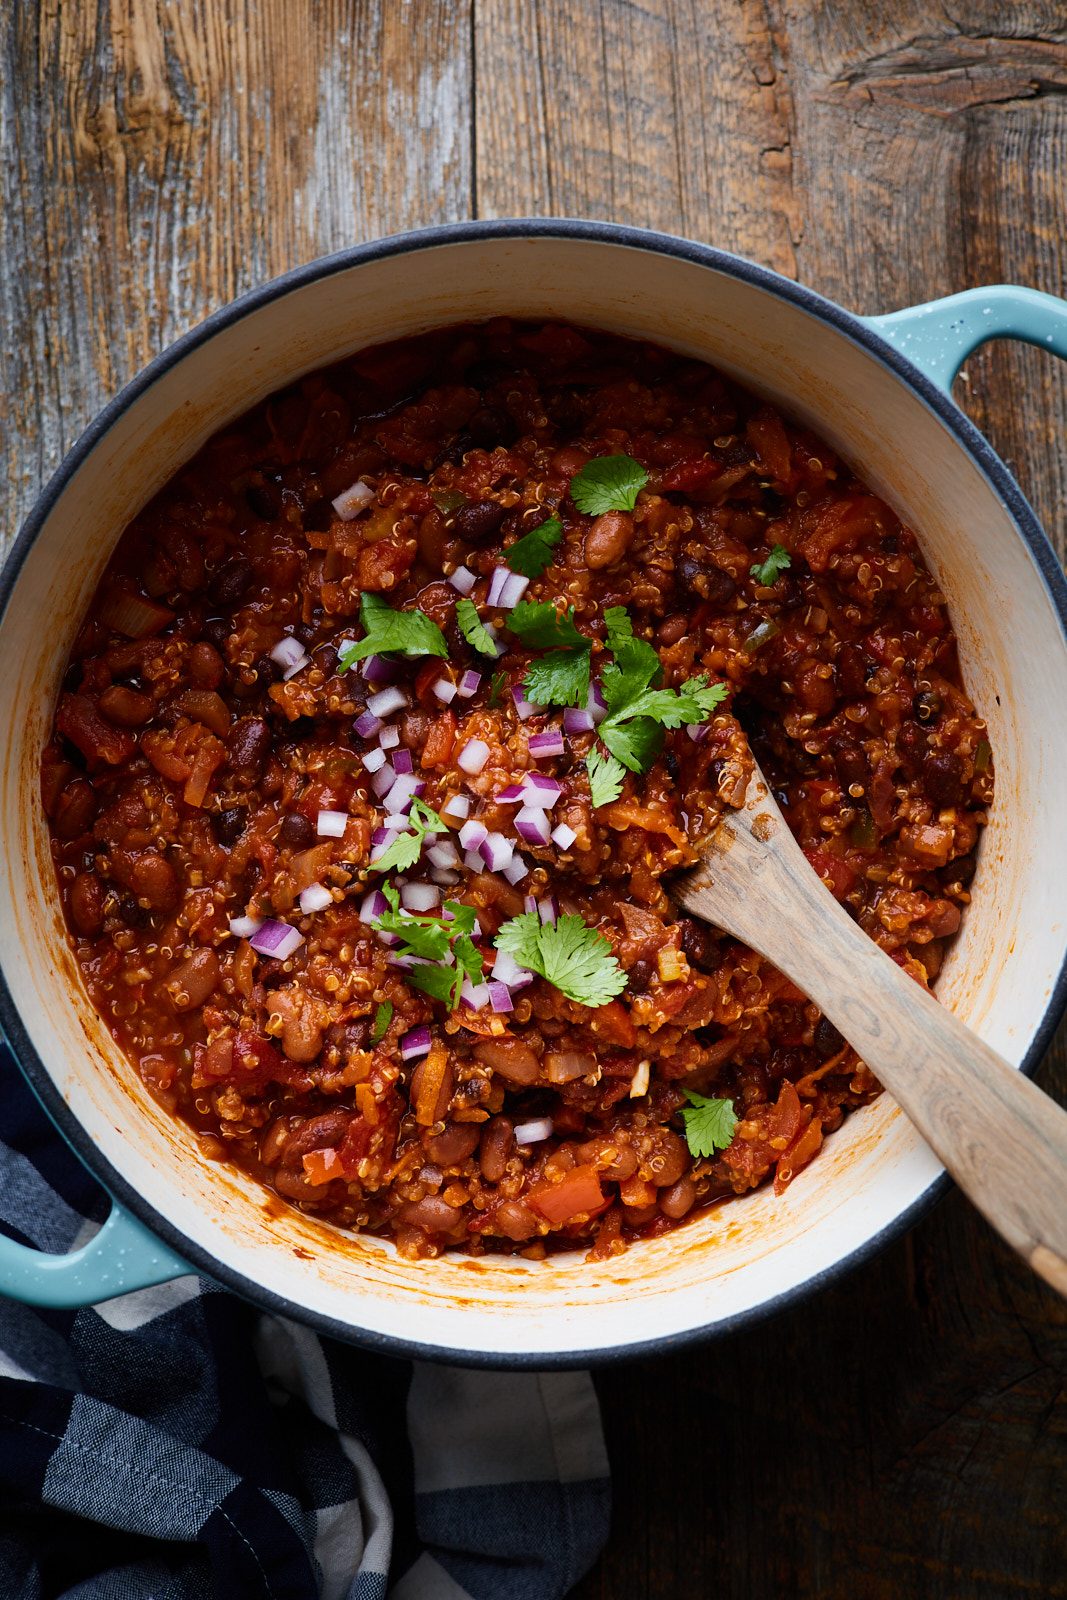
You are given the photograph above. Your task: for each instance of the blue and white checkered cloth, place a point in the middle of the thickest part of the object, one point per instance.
(177, 1444)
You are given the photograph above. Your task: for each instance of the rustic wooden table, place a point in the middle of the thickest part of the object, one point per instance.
(903, 1434)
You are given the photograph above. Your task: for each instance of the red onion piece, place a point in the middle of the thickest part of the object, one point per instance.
(500, 997)
(575, 721)
(245, 927)
(516, 870)
(402, 762)
(406, 788)
(475, 997)
(288, 651)
(469, 684)
(507, 970)
(277, 939)
(563, 836)
(416, 1043)
(331, 824)
(512, 590)
(386, 701)
(352, 501)
(497, 852)
(462, 580)
(544, 745)
(474, 755)
(696, 730)
(533, 1132)
(548, 909)
(374, 905)
(496, 585)
(383, 781)
(316, 897)
(595, 704)
(445, 691)
(444, 876)
(458, 806)
(530, 903)
(532, 825)
(473, 861)
(373, 760)
(367, 725)
(379, 669)
(511, 795)
(472, 834)
(541, 791)
(524, 708)
(443, 854)
(420, 897)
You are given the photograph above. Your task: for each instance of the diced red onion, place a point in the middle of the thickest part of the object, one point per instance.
(367, 725)
(533, 1132)
(497, 852)
(373, 760)
(696, 730)
(595, 704)
(443, 854)
(530, 903)
(331, 824)
(383, 781)
(315, 898)
(540, 791)
(496, 585)
(389, 737)
(543, 745)
(288, 652)
(245, 927)
(472, 834)
(469, 684)
(524, 708)
(462, 580)
(445, 691)
(378, 669)
(402, 762)
(513, 590)
(458, 806)
(444, 876)
(532, 825)
(374, 905)
(516, 870)
(420, 897)
(474, 755)
(352, 501)
(475, 997)
(548, 909)
(416, 1043)
(507, 970)
(386, 701)
(500, 997)
(511, 795)
(473, 861)
(406, 788)
(575, 721)
(563, 836)
(277, 939)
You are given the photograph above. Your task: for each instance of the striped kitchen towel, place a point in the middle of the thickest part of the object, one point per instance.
(177, 1444)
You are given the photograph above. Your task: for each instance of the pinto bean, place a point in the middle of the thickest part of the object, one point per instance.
(496, 1146)
(249, 747)
(431, 1215)
(459, 1140)
(294, 1186)
(678, 1199)
(478, 522)
(152, 878)
(296, 832)
(206, 666)
(232, 582)
(75, 809)
(515, 1221)
(87, 899)
(128, 707)
(205, 706)
(190, 983)
(323, 1132)
(615, 1160)
(671, 629)
(670, 1159)
(609, 538)
(509, 1057)
(273, 1140)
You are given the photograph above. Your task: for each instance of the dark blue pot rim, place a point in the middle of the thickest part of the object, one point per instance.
(968, 436)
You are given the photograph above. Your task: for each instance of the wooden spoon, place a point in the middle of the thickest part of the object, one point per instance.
(1002, 1139)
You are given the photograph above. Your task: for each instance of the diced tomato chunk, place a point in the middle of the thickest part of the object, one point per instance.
(577, 1191)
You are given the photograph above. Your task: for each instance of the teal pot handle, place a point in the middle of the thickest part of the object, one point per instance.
(121, 1257)
(939, 336)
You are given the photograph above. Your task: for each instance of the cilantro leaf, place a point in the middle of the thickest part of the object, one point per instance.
(472, 628)
(605, 778)
(497, 684)
(775, 564)
(560, 678)
(636, 743)
(439, 982)
(382, 1018)
(709, 1123)
(620, 628)
(638, 714)
(531, 554)
(407, 633)
(608, 483)
(444, 950)
(407, 847)
(568, 953)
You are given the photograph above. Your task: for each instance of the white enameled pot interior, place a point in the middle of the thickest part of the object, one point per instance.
(1001, 971)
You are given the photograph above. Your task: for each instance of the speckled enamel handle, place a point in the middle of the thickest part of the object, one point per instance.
(940, 335)
(121, 1257)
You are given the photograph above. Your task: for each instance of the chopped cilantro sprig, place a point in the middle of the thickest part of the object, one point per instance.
(709, 1123)
(560, 678)
(771, 570)
(407, 847)
(473, 629)
(569, 954)
(382, 1018)
(406, 633)
(608, 483)
(443, 948)
(531, 554)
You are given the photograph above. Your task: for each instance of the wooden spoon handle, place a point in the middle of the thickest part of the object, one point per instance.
(1002, 1139)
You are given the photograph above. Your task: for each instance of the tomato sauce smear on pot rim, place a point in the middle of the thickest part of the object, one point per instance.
(390, 716)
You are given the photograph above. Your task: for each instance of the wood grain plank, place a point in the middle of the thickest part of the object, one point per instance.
(159, 160)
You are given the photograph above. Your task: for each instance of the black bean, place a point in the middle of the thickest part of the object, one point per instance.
(479, 521)
(264, 499)
(851, 670)
(133, 915)
(699, 945)
(229, 824)
(670, 761)
(850, 759)
(216, 630)
(789, 592)
(961, 870)
(827, 1039)
(912, 744)
(705, 581)
(296, 832)
(249, 748)
(639, 977)
(325, 658)
(927, 707)
(490, 426)
(232, 582)
(563, 409)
